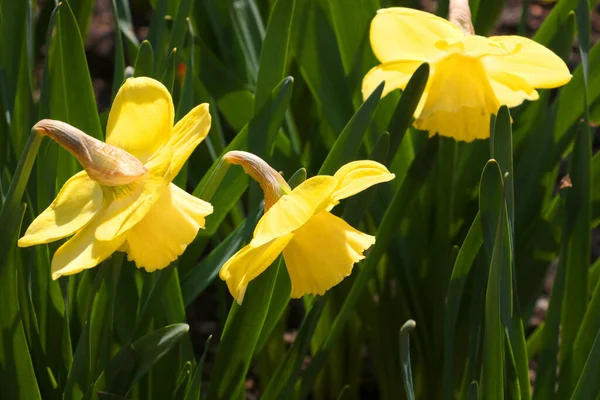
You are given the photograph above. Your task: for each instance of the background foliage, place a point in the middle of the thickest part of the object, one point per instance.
(466, 233)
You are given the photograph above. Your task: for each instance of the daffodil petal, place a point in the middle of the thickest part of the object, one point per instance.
(399, 33)
(186, 135)
(141, 117)
(128, 205)
(293, 210)
(357, 176)
(250, 262)
(322, 253)
(167, 229)
(512, 90)
(396, 75)
(83, 251)
(537, 65)
(460, 100)
(75, 205)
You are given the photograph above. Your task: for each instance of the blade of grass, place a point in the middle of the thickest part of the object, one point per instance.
(348, 143)
(462, 267)
(578, 209)
(144, 61)
(235, 351)
(199, 277)
(194, 387)
(18, 376)
(493, 216)
(274, 52)
(405, 358)
(135, 359)
(282, 382)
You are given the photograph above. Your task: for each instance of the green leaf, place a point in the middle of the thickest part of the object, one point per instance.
(93, 347)
(346, 146)
(351, 25)
(23, 114)
(157, 35)
(197, 279)
(502, 151)
(193, 390)
(268, 119)
(186, 100)
(168, 75)
(281, 383)
(485, 15)
(9, 215)
(71, 95)
(578, 216)
(279, 302)
(18, 376)
(144, 61)
(492, 209)
(555, 20)
(405, 358)
(10, 50)
(405, 109)
(235, 351)
(82, 10)
(462, 266)
(545, 383)
(357, 206)
(274, 53)
(179, 24)
(588, 386)
(134, 360)
(119, 67)
(513, 388)
(319, 60)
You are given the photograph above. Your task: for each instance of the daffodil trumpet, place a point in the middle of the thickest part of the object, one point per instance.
(124, 199)
(471, 76)
(319, 248)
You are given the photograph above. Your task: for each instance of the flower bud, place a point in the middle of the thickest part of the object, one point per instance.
(460, 15)
(270, 181)
(104, 163)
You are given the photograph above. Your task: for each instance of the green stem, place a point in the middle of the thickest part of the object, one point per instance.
(19, 182)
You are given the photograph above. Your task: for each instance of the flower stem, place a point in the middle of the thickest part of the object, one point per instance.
(18, 183)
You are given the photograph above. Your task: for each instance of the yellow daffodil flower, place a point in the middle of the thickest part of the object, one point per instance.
(124, 199)
(470, 75)
(319, 248)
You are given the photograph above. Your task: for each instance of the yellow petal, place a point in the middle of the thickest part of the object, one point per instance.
(512, 90)
(76, 204)
(248, 263)
(537, 65)
(459, 101)
(357, 176)
(396, 75)
(408, 34)
(293, 210)
(141, 117)
(83, 251)
(166, 230)
(129, 204)
(322, 253)
(186, 135)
